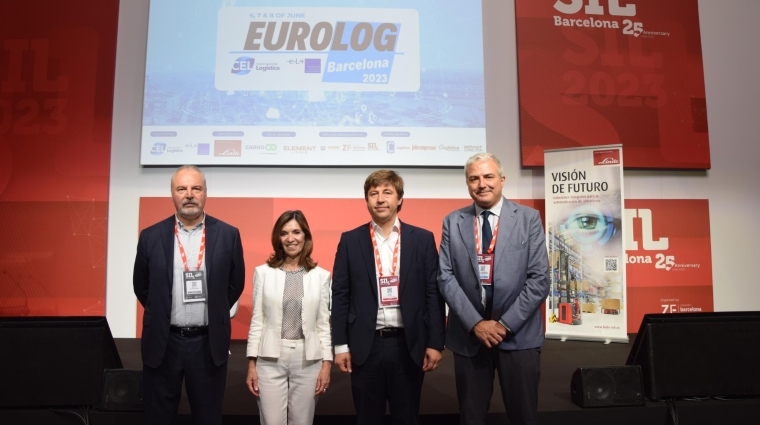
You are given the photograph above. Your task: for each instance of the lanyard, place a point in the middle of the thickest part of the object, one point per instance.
(394, 267)
(493, 239)
(182, 248)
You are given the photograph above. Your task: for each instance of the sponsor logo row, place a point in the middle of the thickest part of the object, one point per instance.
(235, 148)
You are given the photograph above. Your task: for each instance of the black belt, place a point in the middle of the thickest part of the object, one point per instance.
(189, 331)
(389, 332)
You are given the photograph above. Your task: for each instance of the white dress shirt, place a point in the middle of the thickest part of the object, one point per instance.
(386, 317)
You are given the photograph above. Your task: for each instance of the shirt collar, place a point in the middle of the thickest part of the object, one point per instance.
(181, 226)
(379, 230)
(495, 210)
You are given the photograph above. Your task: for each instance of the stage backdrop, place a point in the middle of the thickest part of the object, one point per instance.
(619, 71)
(686, 240)
(56, 96)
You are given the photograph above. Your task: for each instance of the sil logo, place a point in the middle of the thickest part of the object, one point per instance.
(242, 65)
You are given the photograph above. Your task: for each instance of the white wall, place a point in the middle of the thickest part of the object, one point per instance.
(731, 60)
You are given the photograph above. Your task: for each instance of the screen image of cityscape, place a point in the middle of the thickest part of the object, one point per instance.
(320, 83)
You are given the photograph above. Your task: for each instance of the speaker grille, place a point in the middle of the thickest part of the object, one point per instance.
(122, 390)
(607, 386)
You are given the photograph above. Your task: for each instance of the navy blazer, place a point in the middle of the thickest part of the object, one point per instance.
(520, 281)
(354, 288)
(153, 278)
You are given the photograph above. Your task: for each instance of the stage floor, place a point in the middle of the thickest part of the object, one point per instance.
(558, 362)
(439, 403)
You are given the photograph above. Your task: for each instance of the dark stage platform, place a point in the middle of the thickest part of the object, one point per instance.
(439, 404)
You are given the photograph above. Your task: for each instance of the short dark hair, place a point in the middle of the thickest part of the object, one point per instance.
(277, 258)
(384, 176)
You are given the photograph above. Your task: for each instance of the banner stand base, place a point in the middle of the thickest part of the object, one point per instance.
(590, 338)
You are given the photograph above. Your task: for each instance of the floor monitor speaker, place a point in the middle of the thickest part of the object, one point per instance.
(607, 386)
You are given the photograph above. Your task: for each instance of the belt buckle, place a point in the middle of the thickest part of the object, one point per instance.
(184, 332)
(387, 332)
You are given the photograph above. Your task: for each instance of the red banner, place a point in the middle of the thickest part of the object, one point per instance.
(669, 258)
(57, 62)
(598, 72)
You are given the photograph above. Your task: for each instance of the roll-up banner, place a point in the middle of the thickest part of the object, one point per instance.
(584, 238)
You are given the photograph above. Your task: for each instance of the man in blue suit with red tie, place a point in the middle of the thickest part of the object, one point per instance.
(494, 275)
(387, 312)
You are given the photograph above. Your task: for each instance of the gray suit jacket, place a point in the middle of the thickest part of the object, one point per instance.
(521, 278)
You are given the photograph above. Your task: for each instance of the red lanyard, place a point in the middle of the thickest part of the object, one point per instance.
(493, 239)
(394, 267)
(182, 248)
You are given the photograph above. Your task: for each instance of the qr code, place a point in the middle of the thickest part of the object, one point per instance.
(611, 264)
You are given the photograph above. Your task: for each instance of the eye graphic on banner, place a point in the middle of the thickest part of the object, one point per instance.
(590, 225)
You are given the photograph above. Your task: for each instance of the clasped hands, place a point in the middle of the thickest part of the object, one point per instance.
(490, 332)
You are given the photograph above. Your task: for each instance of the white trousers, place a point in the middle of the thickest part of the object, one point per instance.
(287, 385)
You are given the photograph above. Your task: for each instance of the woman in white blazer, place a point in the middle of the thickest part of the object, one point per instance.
(289, 347)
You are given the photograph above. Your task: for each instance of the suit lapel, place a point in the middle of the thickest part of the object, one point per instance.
(279, 287)
(467, 233)
(408, 246)
(368, 254)
(167, 241)
(507, 222)
(212, 233)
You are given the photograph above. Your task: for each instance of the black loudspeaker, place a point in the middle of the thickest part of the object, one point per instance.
(122, 391)
(698, 354)
(54, 361)
(607, 386)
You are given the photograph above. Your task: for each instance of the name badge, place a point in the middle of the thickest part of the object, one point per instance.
(387, 287)
(193, 286)
(485, 268)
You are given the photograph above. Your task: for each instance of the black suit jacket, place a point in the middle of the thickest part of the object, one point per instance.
(354, 287)
(153, 277)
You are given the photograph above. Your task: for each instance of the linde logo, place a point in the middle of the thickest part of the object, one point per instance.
(607, 157)
(227, 147)
(242, 65)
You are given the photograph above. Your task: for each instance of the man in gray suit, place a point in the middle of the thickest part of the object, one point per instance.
(494, 275)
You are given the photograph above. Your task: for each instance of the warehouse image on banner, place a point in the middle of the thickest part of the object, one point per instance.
(584, 238)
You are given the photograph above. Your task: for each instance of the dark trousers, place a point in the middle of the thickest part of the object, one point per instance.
(188, 359)
(388, 375)
(519, 373)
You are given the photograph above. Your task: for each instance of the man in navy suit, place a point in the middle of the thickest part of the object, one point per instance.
(188, 272)
(387, 312)
(494, 275)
